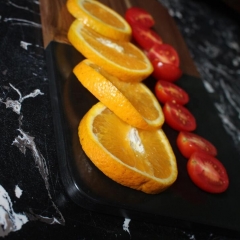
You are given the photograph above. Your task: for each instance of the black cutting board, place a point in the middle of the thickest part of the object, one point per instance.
(183, 204)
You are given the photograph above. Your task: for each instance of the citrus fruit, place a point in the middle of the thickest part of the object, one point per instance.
(119, 58)
(100, 18)
(134, 103)
(135, 158)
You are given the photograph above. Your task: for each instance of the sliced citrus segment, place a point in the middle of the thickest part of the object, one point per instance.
(134, 103)
(121, 59)
(135, 158)
(100, 18)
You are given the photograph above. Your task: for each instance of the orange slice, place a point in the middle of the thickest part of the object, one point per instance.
(100, 18)
(135, 158)
(121, 59)
(134, 103)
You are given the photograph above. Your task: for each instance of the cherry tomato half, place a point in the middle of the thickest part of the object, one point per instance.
(145, 37)
(207, 172)
(135, 15)
(164, 53)
(188, 143)
(179, 117)
(167, 91)
(165, 71)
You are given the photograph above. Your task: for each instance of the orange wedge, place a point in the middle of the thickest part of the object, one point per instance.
(119, 58)
(100, 18)
(135, 158)
(134, 103)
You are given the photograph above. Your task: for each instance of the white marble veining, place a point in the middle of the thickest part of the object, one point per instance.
(25, 141)
(23, 7)
(25, 45)
(18, 191)
(9, 220)
(126, 225)
(15, 105)
(19, 21)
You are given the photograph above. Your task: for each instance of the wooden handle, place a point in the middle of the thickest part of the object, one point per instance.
(56, 21)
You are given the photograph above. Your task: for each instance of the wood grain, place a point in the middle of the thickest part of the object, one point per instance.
(56, 21)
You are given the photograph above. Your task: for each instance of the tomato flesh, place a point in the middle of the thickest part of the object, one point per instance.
(165, 71)
(207, 172)
(178, 117)
(165, 53)
(188, 143)
(145, 37)
(167, 91)
(136, 15)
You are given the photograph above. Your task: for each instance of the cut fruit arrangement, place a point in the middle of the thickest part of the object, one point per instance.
(136, 158)
(100, 18)
(206, 171)
(122, 133)
(119, 58)
(134, 103)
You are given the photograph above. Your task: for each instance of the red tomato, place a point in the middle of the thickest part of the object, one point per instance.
(135, 15)
(207, 172)
(164, 53)
(145, 37)
(165, 71)
(179, 117)
(188, 143)
(167, 91)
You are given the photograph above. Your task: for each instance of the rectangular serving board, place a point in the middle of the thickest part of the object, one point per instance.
(183, 204)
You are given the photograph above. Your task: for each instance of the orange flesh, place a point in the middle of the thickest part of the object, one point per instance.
(143, 104)
(135, 94)
(113, 134)
(124, 54)
(102, 14)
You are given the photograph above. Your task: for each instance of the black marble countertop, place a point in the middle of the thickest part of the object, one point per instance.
(33, 204)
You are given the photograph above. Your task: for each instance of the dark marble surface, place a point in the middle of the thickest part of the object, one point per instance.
(32, 200)
(211, 31)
